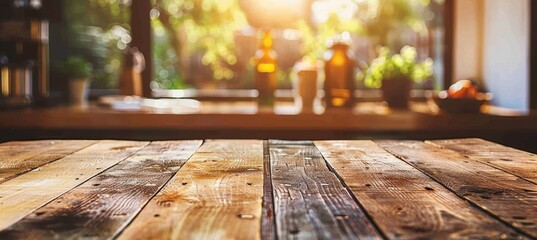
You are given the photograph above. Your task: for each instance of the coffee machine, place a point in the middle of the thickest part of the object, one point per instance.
(24, 56)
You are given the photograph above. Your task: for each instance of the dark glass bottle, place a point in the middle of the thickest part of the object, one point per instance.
(266, 70)
(339, 76)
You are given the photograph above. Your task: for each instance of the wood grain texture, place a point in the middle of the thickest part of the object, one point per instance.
(516, 162)
(268, 228)
(23, 194)
(104, 205)
(508, 197)
(404, 202)
(309, 200)
(217, 194)
(20, 157)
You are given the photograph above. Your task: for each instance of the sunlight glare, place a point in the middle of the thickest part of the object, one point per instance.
(345, 9)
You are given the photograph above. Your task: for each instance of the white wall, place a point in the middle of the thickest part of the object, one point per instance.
(506, 52)
(492, 44)
(467, 40)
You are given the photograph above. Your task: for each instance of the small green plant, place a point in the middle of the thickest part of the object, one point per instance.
(76, 67)
(387, 67)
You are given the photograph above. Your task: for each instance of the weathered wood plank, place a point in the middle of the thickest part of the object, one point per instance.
(25, 193)
(309, 200)
(19, 157)
(404, 202)
(508, 197)
(104, 205)
(217, 194)
(268, 230)
(516, 162)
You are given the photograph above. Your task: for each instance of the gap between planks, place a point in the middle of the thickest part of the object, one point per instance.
(268, 221)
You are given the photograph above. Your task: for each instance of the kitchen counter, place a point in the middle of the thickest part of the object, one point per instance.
(175, 119)
(369, 116)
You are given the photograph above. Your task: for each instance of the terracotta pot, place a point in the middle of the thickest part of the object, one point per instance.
(78, 91)
(396, 92)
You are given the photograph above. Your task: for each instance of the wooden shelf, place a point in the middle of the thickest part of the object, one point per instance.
(246, 116)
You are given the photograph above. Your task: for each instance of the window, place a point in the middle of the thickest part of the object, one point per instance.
(208, 44)
(97, 30)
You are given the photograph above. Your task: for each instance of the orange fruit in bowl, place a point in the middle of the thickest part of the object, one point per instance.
(462, 89)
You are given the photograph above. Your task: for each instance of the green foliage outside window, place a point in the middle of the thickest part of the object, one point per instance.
(402, 65)
(205, 31)
(195, 27)
(98, 30)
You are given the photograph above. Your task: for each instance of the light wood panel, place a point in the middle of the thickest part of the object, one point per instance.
(23, 194)
(309, 200)
(403, 202)
(20, 157)
(104, 205)
(508, 197)
(519, 163)
(217, 194)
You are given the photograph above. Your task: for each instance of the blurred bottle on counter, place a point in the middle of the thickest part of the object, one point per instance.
(305, 84)
(130, 82)
(339, 73)
(266, 70)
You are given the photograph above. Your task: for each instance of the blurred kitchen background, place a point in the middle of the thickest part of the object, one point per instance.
(203, 49)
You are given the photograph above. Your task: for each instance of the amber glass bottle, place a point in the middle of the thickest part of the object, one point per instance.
(339, 76)
(266, 70)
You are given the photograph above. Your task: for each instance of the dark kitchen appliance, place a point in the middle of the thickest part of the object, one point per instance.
(24, 49)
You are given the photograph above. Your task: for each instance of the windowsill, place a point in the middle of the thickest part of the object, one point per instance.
(280, 94)
(245, 116)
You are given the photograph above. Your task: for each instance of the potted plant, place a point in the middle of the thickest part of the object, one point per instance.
(78, 71)
(395, 74)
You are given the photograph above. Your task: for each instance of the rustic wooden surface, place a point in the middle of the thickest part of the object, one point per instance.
(217, 194)
(104, 205)
(404, 202)
(26, 193)
(254, 189)
(17, 159)
(508, 197)
(519, 163)
(309, 200)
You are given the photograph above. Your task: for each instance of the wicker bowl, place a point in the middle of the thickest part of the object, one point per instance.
(461, 105)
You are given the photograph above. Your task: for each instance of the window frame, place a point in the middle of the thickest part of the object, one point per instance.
(141, 38)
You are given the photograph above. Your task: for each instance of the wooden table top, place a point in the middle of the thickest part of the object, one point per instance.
(255, 189)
